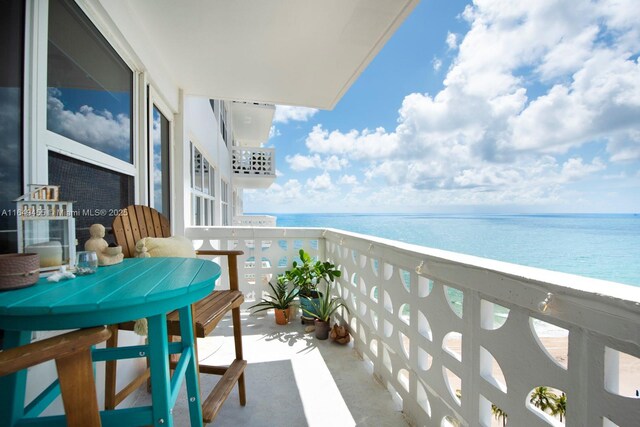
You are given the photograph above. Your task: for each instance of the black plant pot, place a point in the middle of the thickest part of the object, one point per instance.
(322, 329)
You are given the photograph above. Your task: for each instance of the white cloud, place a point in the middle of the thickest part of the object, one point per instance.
(437, 64)
(290, 191)
(334, 163)
(286, 113)
(348, 180)
(575, 168)
(452, 40)
(273, 132)
(98, 129)
(299, 162)
(358, 145)
(320, 182)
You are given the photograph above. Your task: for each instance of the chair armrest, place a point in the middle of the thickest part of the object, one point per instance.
(232, 262)
(16, 359)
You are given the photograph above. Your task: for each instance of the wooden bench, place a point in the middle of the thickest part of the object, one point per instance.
(138, 222)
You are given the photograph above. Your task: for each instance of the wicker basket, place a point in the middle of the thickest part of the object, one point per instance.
(18, 270)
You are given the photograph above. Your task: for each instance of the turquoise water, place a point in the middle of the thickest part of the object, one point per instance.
(599, 246)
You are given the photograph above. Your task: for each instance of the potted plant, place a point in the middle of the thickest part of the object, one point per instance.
(323, 308)
(280, 300)
(306, 276)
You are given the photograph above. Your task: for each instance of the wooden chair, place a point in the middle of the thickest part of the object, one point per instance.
(142, 221)
(72, 353)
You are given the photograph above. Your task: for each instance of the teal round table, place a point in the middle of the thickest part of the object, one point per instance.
(136, 288)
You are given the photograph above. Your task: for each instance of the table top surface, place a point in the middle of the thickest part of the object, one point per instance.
(135, 288)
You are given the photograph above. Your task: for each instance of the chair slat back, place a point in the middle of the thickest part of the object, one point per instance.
(137, 222)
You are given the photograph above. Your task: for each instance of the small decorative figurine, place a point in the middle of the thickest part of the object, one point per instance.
(106, 255)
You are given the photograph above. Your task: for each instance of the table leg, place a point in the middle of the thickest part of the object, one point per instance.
(191, 374)
(159, 363)
(13, 387)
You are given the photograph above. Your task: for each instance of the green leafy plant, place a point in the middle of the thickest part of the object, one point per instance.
(500, 414)
(496, 411)
(543, 399)
(560, 406)
(325, 305)
(308, 274)
(280, 298)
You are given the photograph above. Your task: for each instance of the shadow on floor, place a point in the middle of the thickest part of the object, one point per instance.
(295, 379)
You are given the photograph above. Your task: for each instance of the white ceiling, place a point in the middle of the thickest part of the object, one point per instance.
(291, 52)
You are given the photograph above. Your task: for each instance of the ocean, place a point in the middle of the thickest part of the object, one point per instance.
(602, 246)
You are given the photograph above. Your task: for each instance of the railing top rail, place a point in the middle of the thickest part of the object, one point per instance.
(530, 274)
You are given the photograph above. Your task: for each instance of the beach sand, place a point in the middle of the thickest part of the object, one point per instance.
(628, 373)
(629, 366)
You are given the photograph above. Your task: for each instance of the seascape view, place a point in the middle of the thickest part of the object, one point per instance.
(600, 246)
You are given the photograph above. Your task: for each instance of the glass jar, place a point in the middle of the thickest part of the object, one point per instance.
(86, 263)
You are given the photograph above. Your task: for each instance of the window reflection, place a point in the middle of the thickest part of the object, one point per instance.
(11, 58)
(160, 153)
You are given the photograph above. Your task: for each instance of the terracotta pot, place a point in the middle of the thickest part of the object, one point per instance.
(282, 316)
(322, 329)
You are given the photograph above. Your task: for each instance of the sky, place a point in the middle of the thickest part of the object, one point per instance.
(490, 106)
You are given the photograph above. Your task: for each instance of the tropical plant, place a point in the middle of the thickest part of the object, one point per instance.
(325, 305)
(308, 274)
(543, 399)
(280, 299)
(499, 414)
(560, 406)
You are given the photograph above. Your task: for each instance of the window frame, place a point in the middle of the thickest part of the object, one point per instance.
(155, 100)
(44, 140)
(225, 214)
(202, 201)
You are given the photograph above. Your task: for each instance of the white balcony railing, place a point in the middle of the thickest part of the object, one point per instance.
(436, 325)
(254, 220)
(253, 161)
(253, 167)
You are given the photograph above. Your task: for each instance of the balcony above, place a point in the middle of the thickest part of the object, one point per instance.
(251, 122)
(253, 167)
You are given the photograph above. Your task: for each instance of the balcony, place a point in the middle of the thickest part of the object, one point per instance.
(251, 122)
(450, 336)
(253, 167)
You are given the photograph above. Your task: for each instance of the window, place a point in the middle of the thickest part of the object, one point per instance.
(89, 87)
(97, 193)
(197, 170)
(224, 202)
(206, 177)
(203, 189)
(223, 122)
(89, 116)
(159, 160)
(12, 15)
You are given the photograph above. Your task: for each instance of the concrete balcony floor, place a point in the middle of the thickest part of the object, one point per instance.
(292, 379)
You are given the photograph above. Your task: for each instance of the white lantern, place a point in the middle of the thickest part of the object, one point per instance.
(47, 227)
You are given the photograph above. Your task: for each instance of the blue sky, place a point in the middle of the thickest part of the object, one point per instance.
(485, 106)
